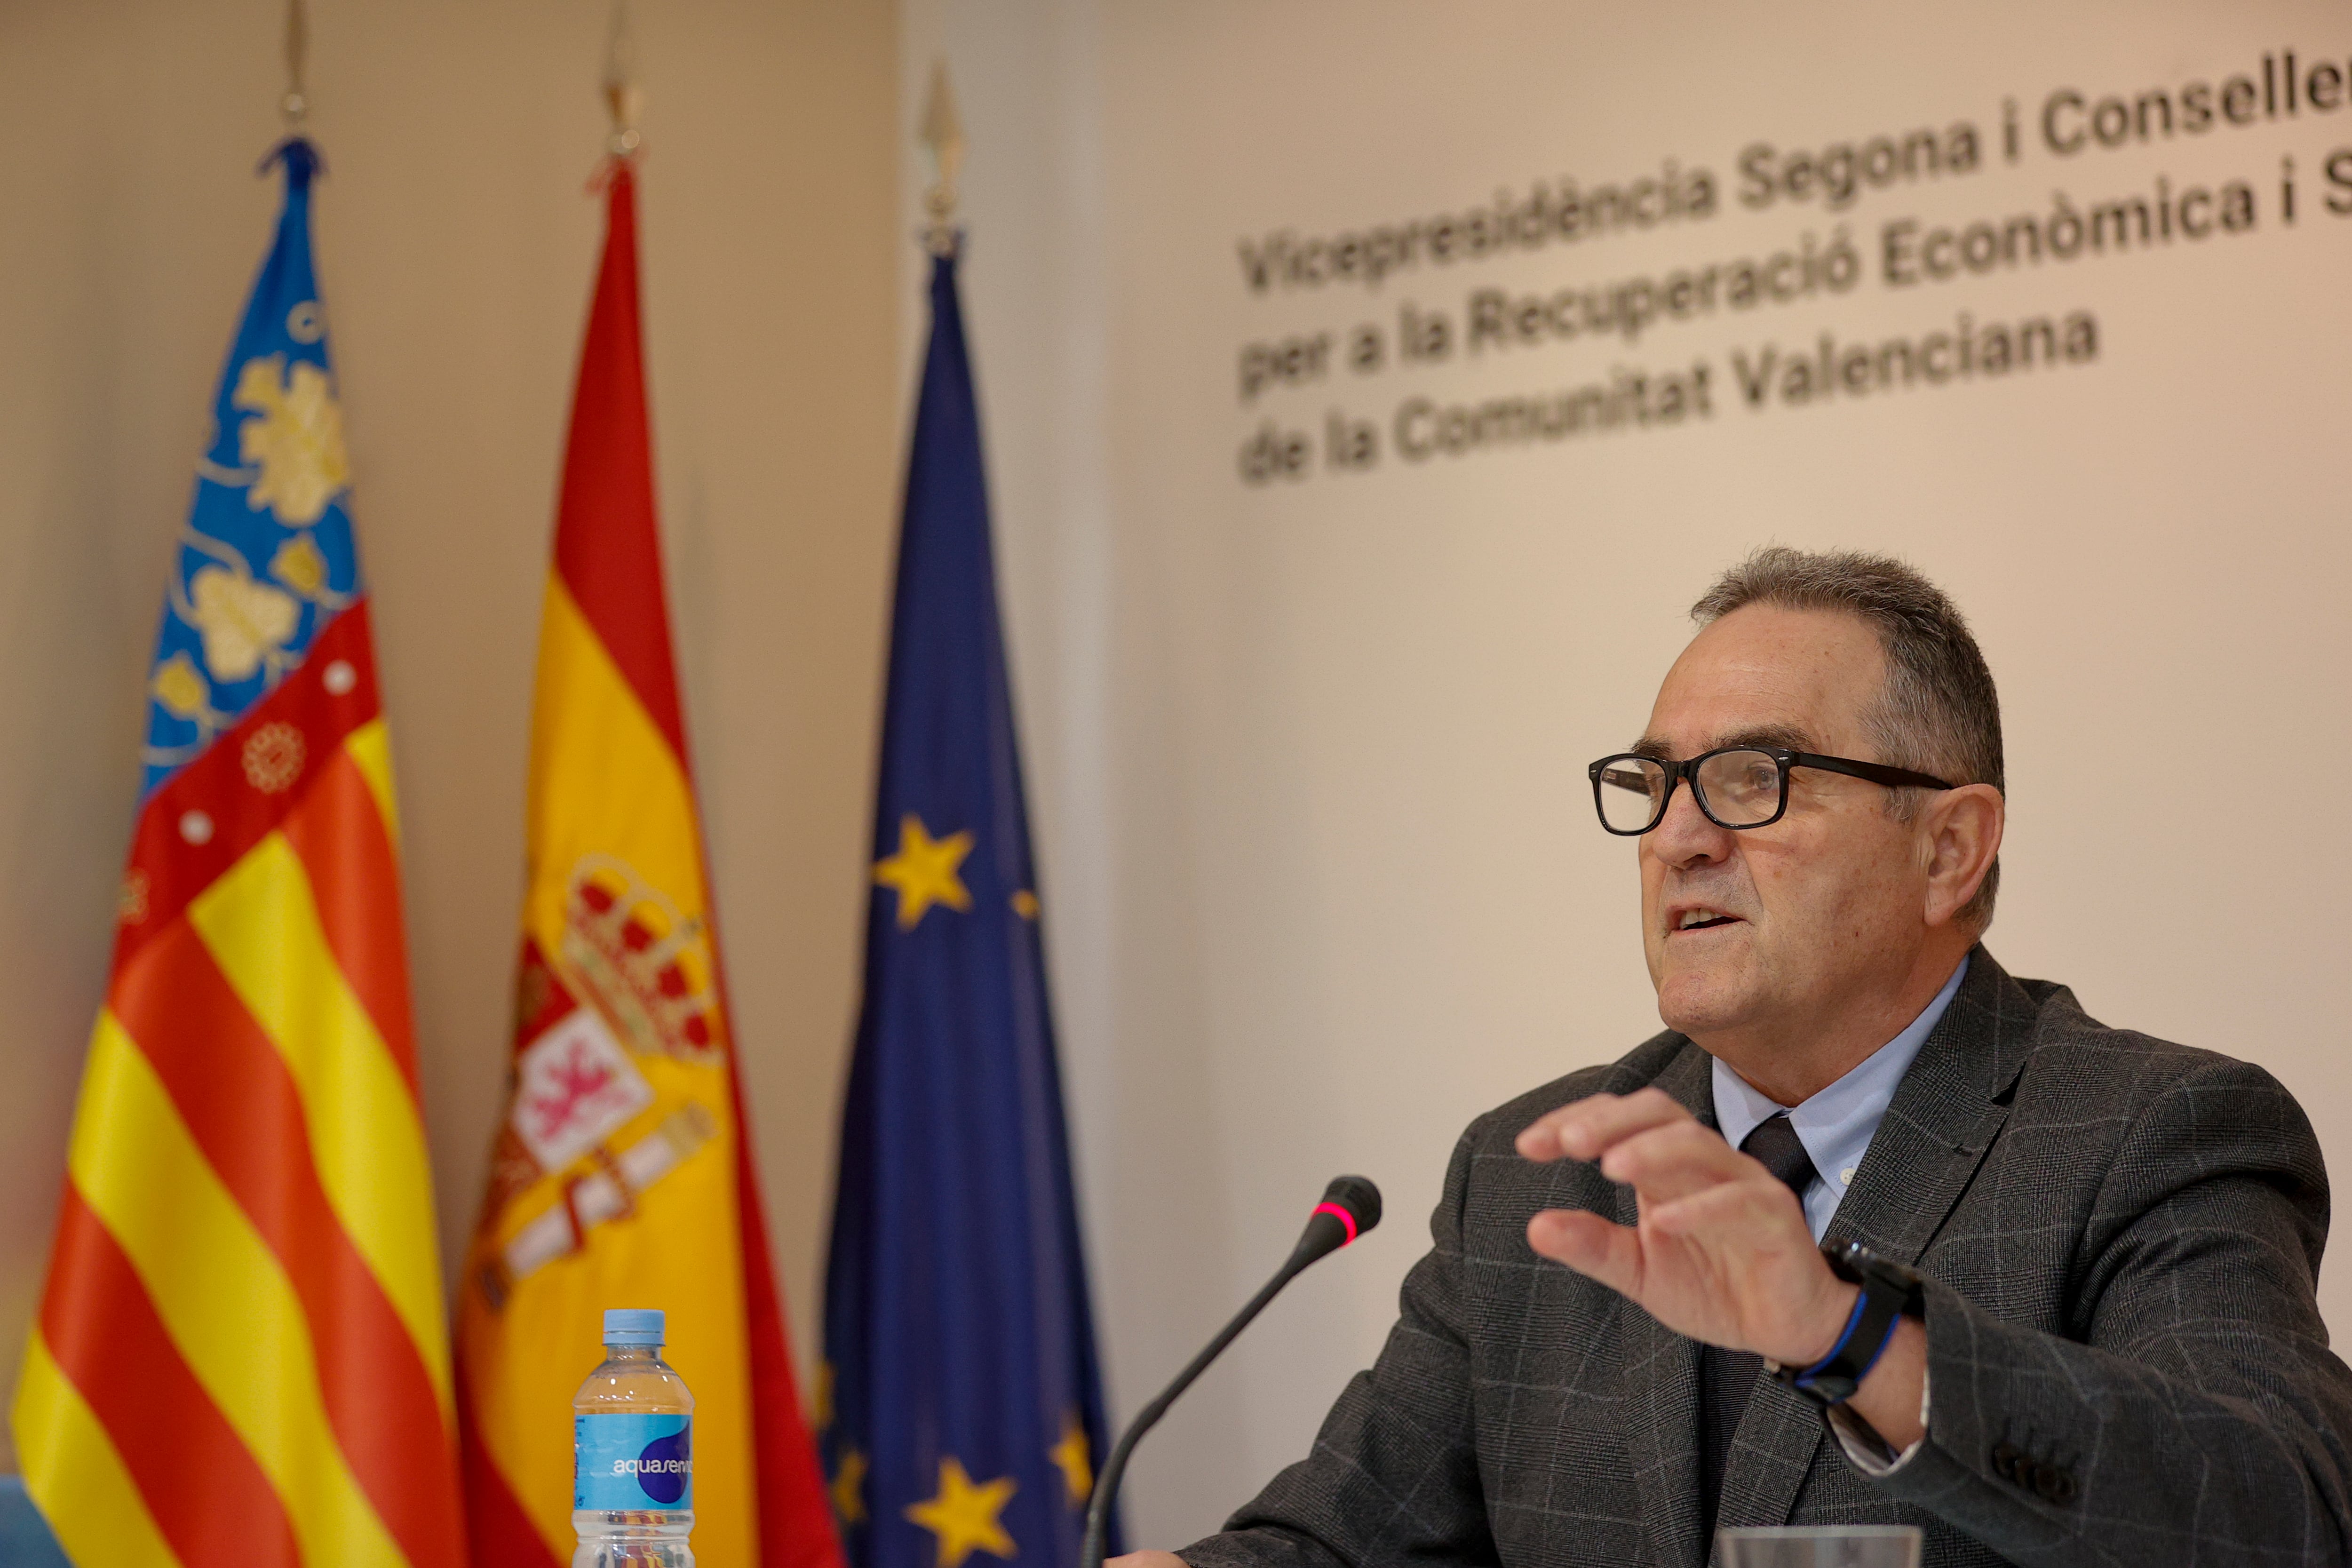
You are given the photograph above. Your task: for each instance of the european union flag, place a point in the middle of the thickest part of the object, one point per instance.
(963, 1408)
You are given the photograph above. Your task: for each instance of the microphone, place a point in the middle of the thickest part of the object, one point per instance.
(1351, 1207)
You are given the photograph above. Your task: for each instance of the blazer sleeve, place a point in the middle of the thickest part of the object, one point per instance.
(2192, 1411)
(1393, 1477)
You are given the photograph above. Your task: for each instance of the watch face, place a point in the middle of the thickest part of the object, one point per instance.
(1850, 1260)
(1860, 1263)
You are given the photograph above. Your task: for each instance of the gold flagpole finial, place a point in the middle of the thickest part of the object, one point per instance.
(943, 132)
(295, 107)
(622, 96)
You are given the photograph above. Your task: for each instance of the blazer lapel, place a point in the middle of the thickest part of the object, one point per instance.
(1662, 1373)
(1945, 1115)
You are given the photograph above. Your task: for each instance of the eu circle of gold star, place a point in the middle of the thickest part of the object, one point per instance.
(924, 871)
(963, 1516)
(848, 1488)
(1074, 1459)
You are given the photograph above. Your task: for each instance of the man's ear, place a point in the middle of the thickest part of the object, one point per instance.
(1959, 835)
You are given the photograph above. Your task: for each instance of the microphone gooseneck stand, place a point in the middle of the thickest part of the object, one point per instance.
(1351, 1207)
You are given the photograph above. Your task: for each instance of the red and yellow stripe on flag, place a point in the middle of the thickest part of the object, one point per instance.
(241, 1357)
(621, 1176)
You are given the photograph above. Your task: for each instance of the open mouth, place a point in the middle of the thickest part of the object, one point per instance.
(1704, 919)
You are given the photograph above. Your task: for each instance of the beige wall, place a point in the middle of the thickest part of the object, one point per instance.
(1321, 873)
(457, 243)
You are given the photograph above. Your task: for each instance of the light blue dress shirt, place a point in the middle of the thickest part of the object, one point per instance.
(1835, 1126)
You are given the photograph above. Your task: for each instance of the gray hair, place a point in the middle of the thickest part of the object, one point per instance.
(1939, 713)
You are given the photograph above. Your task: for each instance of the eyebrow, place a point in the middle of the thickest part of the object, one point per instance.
(1788, 737)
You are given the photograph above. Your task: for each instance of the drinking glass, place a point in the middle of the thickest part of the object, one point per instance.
(1821, 1546)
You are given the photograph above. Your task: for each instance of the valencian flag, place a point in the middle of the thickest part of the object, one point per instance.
(240, 1356)
(966, 1407)
(622, 1174)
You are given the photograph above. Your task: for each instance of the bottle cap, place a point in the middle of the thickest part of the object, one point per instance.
(633, 1326)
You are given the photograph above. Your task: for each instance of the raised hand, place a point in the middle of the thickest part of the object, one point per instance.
(1721, 1251)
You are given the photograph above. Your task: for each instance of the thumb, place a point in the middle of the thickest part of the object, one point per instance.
(1591, 1246)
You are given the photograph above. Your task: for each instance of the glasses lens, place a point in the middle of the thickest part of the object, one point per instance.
(1741, 788)
(1631, 789)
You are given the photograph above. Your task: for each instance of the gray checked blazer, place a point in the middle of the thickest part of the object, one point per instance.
(2126, 1358)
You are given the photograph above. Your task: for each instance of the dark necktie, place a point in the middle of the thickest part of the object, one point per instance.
(1728, 1377)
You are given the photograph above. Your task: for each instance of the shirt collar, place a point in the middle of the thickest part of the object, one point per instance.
(1836, 1124)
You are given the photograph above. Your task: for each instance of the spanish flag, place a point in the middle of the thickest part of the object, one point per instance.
(240, 1356)
(622, 1174)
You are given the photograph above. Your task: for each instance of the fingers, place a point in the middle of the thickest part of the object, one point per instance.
(1646, 1140)
(1677, 1158)
(1590, 1245)
(1584, 1129)
(1764, 1215)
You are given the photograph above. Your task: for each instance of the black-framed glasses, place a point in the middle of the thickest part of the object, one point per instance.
(1737, 786)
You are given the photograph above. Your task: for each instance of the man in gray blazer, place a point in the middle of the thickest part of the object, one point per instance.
(2063, 1309)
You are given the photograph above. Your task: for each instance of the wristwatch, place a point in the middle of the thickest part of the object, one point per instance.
(1890, 1292)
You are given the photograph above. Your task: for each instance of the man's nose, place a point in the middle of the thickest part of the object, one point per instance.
(1685, 836)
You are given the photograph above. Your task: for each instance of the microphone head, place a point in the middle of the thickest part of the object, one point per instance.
(1354, 1201)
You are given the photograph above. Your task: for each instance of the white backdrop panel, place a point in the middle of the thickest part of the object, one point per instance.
(1309, 754)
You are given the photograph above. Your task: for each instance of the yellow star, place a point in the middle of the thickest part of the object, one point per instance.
(1073, 1457)
(821, 1397)
(924, 871)
(963, 1516)
(848, 1488)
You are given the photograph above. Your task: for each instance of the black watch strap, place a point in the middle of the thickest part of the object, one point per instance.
(1889, 1293)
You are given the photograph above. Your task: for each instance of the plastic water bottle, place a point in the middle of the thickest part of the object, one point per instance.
(632, 1453)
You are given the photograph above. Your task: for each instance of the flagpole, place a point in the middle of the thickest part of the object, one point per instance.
(622, 96)
(295, 107)
(943, 132)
